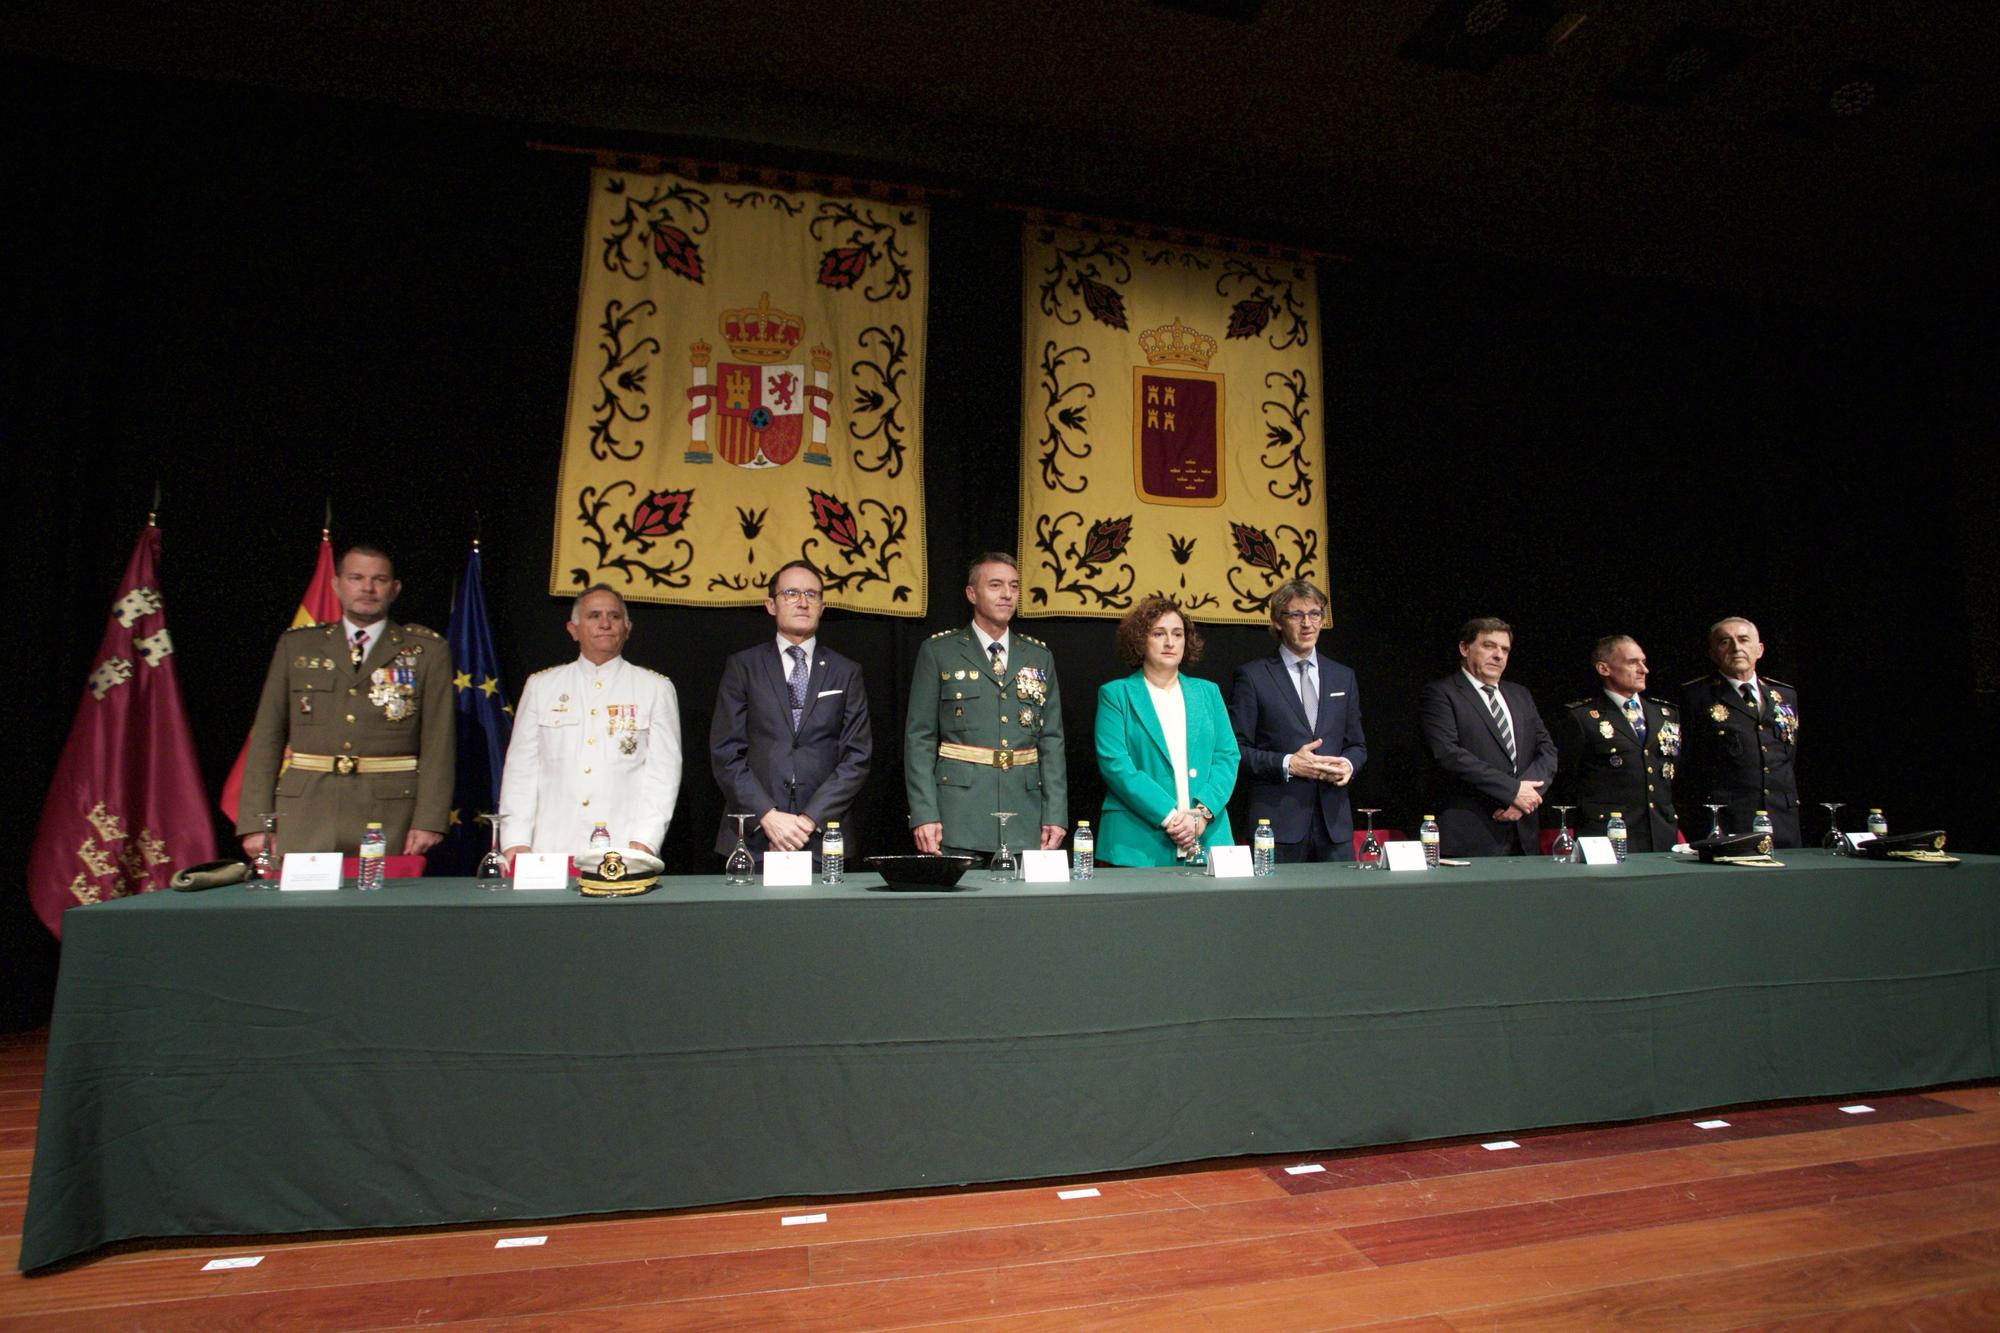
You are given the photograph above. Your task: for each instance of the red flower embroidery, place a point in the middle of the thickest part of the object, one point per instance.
(1248, 318)
(661, 514)
(677, 251)
(1106, 540)
(844, 267)
(1254, 547)
(832, 517)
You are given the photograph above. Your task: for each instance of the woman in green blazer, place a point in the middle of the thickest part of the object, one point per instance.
(1164, 745)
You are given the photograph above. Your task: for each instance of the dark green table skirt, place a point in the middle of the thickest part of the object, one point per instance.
(245, 1061)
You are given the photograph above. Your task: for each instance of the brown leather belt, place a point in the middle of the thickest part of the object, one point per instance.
(344, 764)
(979, 754)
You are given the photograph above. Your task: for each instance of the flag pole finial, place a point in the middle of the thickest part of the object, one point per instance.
(153, 514)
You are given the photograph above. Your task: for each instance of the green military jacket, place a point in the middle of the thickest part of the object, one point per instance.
(956, 699)
(316, 702)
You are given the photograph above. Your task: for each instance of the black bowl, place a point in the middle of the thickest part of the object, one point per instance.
(935, 874)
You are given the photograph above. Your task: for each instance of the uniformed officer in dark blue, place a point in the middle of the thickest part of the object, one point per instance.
(1616, 750)
(1743, 736)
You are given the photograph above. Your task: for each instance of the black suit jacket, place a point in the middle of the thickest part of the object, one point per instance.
(1476, 777)
(1743, 758)
(1270, 723)
(1604, 768)
(761, 763)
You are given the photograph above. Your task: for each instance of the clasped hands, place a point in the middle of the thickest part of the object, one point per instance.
(1185, 827)
(1526, 800)
(1307, 762)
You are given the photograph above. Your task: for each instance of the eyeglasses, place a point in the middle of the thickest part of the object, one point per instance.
(1312, 617)
(806, 595)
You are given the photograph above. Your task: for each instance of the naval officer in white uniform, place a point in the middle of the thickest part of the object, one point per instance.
(598, 739)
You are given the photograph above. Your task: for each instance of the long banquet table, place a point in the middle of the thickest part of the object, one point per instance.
(249, 1061)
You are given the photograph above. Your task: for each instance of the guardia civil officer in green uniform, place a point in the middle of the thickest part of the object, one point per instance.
(365, 706)
(985, 728)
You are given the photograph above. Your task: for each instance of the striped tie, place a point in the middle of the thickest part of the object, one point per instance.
(1500, 721)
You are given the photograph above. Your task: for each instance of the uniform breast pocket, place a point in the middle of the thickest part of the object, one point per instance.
(312, 704)
(961, 702)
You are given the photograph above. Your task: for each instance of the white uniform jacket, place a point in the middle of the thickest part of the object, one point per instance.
(592, 742)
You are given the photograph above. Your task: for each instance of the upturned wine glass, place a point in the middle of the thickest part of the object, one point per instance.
(492, 866)
(741, 867)
(1370, 855)
(1564, 847)
(1004, 865)
(263, 866)
(1832, 840)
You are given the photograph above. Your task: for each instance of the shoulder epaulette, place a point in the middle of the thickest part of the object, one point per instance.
(1578, 703)
(1781, 684)
(941, 633)
(1698, 680)
(296, 629)
(1029, 638)
(419, 629)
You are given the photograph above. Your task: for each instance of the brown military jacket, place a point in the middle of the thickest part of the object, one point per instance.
(316, 703)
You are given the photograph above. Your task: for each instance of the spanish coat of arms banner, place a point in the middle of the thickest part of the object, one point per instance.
(746, 389)
(1170, 426)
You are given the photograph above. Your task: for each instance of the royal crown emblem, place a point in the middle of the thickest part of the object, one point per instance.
(766, 405)
(1177, 417)
(1176, 344)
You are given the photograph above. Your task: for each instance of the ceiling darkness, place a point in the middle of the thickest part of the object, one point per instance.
(1839, 151)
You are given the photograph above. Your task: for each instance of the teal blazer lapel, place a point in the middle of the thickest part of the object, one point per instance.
(1142, 708)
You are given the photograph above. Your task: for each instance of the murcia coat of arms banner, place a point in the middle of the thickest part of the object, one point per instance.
(746, 389)
(1170, 425)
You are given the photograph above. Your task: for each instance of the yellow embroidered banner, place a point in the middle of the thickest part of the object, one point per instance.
(1170, 426)
(746, 389)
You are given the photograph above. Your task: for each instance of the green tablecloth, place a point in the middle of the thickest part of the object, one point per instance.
(243, 1061)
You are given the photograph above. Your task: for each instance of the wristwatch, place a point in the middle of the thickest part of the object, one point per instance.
(1204, 812)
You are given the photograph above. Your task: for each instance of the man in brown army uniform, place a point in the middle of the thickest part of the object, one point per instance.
(364, 706)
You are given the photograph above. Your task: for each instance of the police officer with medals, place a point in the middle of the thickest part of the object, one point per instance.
(985, 729)
(364, 706)
(1617, 750)
(1743, 736)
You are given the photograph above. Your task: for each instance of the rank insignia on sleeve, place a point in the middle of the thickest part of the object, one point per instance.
(1720, 713)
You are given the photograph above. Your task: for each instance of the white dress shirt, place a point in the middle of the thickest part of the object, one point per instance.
(1480, 687)
(1171, 707)
(592, 742)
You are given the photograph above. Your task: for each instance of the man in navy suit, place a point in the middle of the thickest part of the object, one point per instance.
(1297, 717)
(1493, 754)
(790, 740)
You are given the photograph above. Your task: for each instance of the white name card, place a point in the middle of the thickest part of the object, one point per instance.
(1404, 854)
(788, 870)
(1854, 840)
(541, 870)
(310, 870)
(1040, 867)
(1230, 862)
(1597, 852)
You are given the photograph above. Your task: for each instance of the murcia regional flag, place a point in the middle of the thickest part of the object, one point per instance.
(1170, 425)
(746, 389)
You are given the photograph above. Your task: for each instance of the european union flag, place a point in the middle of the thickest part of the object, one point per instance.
(484, 724)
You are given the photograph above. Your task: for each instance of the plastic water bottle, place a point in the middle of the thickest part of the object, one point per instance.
(1263, 846)
(1614, 829)
(600, 839)
(832, 853)
(373, 848)
(1428, 833)
(1878, 824)
(1761, 825)
(1083, 849)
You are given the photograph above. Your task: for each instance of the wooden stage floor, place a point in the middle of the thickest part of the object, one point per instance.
(1813, 1215)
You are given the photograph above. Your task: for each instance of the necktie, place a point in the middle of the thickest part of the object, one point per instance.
(1500, 720)
(360, 649)
(1308, 696)
(998, 652)
(1749, 694)
(1637, 717)
(797, 681)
